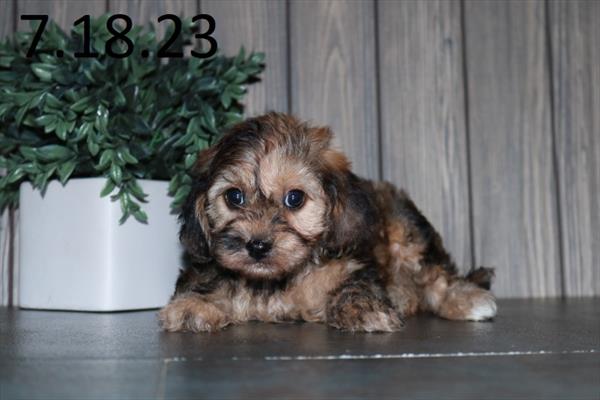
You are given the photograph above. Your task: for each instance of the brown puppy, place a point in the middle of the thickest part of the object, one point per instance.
(278, 228)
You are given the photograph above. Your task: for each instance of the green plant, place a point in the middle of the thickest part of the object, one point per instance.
(123, 119)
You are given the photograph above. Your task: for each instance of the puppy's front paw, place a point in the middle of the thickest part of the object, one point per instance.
(192, 314)
(364, 315)
(467, 302)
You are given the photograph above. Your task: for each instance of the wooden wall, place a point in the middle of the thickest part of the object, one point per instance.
(488, 112)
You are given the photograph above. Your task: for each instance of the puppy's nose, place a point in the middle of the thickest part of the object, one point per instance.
(258, 248)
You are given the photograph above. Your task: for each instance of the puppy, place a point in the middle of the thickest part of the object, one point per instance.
(278, 228)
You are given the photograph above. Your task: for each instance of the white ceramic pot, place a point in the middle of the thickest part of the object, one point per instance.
(74, 255)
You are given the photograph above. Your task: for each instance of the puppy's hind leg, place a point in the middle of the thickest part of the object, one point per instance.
(458, 298)
(415, 248)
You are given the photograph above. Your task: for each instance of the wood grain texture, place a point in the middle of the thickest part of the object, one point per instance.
(513, 182)
(63, 12)
(258, 25)
(533, 140)
(144, 11)
(575, 35)
(6, 18)
(424, 145)
(333, 76)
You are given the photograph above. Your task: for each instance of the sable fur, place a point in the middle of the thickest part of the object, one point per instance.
(357, 255)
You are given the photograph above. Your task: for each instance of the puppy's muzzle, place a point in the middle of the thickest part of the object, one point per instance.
(258, 249)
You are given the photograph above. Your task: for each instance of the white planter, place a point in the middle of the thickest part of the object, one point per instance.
(74, 255)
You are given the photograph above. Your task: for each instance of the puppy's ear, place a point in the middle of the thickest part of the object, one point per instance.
(195, 233)
(352, 212)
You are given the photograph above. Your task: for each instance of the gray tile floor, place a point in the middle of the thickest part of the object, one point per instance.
(534, 349)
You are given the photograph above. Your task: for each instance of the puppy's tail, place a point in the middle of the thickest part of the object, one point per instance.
(481, 276)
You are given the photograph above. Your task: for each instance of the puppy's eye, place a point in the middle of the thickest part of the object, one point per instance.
(294, 199)
(235, 197)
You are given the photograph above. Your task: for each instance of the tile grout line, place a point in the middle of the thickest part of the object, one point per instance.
(343, 357)
(427, 355)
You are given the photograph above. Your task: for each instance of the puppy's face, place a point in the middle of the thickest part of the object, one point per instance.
(267, 197)
(267, 209)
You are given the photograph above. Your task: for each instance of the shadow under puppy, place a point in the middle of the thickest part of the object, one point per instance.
(278, 228)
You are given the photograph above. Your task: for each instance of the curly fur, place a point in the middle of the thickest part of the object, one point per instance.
(357, 255)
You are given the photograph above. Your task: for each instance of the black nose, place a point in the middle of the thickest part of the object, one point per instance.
(258, 248)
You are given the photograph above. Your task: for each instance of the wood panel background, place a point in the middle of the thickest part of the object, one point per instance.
(515, 219)
(487, 112)
(575, 65)
(423, 129)
(333, 74)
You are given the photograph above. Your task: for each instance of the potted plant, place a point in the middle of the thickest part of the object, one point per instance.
(95, 149)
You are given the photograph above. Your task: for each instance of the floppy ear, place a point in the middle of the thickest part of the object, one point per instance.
(352, 212)
(195, 232)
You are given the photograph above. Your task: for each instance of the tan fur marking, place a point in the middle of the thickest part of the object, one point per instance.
(403, 291)
(304, 299)
(453, 298)
(435, 293)
(201, 216)
(465, 301)
(336, 160)
(280, 174)
(404, 251)
(192, 313)
(218, 210)
(311, 290)
(320, 136)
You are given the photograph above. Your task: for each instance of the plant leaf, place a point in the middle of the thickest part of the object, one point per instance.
(106, 157)
(116, 173)
(109, 186)
(42, 72)
(54, 152)
(65, 170)
(124, 119)
(141, 216)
